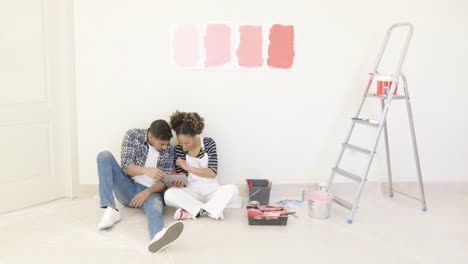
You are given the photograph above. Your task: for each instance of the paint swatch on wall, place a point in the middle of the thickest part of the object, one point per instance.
(249, 52)
(185, 45)
(217, 45)
(281, 48)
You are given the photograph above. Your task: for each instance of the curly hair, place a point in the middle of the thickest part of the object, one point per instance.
(187, 123)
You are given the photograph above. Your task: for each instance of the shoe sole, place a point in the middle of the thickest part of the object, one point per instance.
(107, 226)
(172, 233)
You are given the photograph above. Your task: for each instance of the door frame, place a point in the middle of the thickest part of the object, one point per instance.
(60, 34)
(65, 27)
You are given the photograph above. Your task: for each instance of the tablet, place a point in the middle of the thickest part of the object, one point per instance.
(172, 177)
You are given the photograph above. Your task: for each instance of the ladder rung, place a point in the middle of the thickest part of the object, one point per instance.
(356, 148)
(342, 202)
(367, 122)
(383, 97)
(347, 174)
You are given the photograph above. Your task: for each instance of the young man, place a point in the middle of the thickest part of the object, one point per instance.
(146, 157)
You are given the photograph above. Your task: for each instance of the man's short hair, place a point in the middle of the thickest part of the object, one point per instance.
(161, 130)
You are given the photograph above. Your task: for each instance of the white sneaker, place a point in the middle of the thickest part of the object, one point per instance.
(181, 214)
(203, 212)
(166, 236)
(221, 216)
(110, 217)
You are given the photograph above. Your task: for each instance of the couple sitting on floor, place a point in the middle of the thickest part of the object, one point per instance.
(146, 157)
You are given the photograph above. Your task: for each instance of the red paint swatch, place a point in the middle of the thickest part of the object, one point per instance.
(249, 52)
(217, 45)
(281, 48)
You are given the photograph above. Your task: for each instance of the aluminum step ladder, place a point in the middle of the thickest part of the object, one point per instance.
(380, 125)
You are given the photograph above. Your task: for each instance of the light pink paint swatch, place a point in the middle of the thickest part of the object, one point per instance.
(217, 45)
(249, 52)
(185, 45)
(281, 48)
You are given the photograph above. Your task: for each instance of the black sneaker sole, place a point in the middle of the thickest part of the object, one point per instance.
(172, 233)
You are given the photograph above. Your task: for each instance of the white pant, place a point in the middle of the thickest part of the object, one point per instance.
(212, 199)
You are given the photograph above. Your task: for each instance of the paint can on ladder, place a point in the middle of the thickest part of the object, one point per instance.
(384, 83)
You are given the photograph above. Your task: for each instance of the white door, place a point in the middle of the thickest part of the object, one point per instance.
(37, 124)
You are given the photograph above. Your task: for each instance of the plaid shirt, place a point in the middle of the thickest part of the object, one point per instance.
(135, 150)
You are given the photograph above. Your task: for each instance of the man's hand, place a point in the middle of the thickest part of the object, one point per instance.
(182, 163)
(154, 173)
(177, 184)
(140, 198)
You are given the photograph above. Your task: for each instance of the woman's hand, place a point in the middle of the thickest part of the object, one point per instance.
(182, 163)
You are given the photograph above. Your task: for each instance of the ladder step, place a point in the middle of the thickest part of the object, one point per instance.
(383, 97)
(342, 202)
(367, 122)
(347, 174)
(356, 148)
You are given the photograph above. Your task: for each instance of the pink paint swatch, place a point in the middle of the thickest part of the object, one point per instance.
(217, 45)
(249, 52)
(281, 48)
(185, 45)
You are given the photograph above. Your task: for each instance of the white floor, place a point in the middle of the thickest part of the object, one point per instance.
(384, 231)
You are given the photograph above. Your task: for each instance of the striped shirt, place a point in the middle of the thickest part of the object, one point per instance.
(210, 149)
(135, 150)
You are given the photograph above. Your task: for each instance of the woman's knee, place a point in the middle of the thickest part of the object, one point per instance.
(231, 188)
(171, 194)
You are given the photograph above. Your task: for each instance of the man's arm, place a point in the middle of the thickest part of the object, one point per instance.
(127, 150)
(154, 173)
(157, 187)
(139, 199)
(134, 170)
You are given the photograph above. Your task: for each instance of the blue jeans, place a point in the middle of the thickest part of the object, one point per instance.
(112, 180)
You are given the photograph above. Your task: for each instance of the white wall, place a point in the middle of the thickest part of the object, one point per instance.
(281, 125)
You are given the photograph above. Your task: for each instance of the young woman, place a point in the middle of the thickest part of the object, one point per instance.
(196, 156)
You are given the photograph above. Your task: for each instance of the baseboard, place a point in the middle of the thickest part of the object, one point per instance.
(295, 190)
